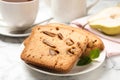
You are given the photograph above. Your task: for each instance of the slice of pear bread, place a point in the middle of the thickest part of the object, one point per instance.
(56, 48)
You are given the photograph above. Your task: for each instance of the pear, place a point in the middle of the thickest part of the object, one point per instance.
(107, 21)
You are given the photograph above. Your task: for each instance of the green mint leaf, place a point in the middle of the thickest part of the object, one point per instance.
(88, 59)
(84, 61)
(94, 53)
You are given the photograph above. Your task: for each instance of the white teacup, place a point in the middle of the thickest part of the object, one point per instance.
(18, 15)
(68, 10)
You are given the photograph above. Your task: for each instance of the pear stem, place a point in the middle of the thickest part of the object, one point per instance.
(85, 25)
(80, 25)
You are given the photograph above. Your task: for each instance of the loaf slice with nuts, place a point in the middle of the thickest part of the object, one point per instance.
(93, 40)
(54, 47)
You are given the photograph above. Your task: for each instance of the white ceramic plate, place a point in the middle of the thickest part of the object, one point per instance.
(76, 70)
(84, 21)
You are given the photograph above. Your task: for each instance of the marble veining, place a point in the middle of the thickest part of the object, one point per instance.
(12, 67)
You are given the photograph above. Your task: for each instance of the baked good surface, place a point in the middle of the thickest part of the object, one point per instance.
(93, 40)
(54, 47)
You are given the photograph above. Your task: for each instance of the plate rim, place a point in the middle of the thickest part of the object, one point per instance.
(7, 33)
(66, 74)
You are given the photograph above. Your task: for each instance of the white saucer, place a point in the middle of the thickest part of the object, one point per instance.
(6, 32)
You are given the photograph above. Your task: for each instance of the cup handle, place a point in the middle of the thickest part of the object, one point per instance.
(91, 5)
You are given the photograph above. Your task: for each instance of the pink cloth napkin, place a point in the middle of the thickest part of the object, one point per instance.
(112, 43)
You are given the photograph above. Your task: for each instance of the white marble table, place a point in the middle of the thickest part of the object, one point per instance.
(12, 68)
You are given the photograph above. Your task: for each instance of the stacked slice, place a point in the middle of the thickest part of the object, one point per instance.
(57, 46)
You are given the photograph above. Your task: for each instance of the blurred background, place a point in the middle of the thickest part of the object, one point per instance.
(45, 8)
